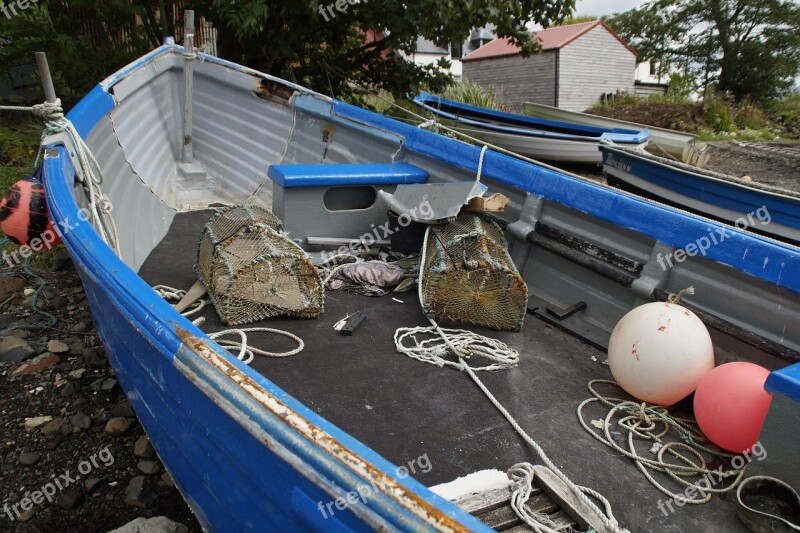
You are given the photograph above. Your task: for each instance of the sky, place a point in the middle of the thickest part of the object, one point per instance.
(605, 7)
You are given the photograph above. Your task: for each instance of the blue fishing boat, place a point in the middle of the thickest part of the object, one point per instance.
(539, 138)
(726, 198)
(349, 434)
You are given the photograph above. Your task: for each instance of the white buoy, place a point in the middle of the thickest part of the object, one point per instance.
(659, 352)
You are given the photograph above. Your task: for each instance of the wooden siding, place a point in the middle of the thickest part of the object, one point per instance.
(594, 64)
(516, 79)
(643, 90)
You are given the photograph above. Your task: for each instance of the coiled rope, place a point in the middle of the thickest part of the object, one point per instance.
(99, 205)
(464, 344)
(652, 423)
(246, 352)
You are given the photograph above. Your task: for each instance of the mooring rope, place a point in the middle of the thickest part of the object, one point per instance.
(652, 423)
(246, 352)
(99, 205)
(463, 344)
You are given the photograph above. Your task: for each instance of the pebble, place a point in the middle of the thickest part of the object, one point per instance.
(81, 421)
(57, 302)
(53, 427)
(123, 408)
(139, 492)
(93, 357)
(69, 389)
(10, 285)
(148, 467)
(6, 319)
(118, 426)
(37, 421)
(90, 484)
(143, 448)
(158, 524)
(17, 355)
(29, 458)
(13, 344)
(63, 261)
(37, 364)
(24, 517)
(77, 374)
(80, 327)
(108, 384)
(70, 499)
(56, 346)
(166, 479)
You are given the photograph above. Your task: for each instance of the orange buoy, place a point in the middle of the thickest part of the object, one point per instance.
(24, 216)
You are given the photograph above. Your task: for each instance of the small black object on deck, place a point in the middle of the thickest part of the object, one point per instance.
(353, 323)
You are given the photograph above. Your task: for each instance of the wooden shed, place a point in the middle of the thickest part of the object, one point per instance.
(578, 63)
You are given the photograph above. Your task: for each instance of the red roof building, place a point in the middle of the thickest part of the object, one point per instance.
(577, 65)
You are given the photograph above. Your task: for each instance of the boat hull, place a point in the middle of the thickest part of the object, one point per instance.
(542, 148)
(711, 196)
(536, 138)
(683, 146)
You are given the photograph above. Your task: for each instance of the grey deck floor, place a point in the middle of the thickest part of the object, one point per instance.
(404, 409)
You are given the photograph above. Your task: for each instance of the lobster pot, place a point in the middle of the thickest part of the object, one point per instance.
(253, 271)
(467, 275)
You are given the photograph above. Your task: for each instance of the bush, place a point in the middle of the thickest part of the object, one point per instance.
(787, 112)
(471, 93)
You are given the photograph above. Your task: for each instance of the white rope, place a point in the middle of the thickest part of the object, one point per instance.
(99, 205)
(463, 344)
(246, 353)
(652, 423)
(480, 163)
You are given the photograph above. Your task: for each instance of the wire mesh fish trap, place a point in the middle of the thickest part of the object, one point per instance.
(467, 275)
(253, 271)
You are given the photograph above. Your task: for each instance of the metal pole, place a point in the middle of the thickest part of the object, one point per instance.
(188, 73)
(47, 80)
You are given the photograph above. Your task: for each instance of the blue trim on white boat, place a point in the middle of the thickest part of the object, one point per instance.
(719, 196)
(337, 175)
(92, 107)
(528, 126)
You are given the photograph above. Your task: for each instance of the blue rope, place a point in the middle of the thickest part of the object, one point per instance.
(29, 272)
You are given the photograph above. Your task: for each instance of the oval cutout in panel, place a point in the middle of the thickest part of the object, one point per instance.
(349, 198)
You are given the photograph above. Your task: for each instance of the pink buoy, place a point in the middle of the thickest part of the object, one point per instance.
(730, 405)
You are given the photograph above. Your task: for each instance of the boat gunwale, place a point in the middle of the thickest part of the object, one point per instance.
(536, 129)
(704, 174)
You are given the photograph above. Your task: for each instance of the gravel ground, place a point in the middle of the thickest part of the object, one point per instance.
(65, 419)
(89, 438)
(772, 163)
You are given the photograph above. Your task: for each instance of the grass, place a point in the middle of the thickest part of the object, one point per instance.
(19, 143)
(473, 94)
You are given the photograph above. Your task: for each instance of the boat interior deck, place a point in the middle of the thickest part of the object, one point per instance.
(405, 409)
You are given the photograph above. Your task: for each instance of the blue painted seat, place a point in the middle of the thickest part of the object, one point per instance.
(348, 174)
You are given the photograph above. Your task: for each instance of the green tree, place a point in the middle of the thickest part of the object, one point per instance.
(748, 48)
(326, 44)
(85, 40)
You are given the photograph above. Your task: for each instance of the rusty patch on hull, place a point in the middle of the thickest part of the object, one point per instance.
(404, 497)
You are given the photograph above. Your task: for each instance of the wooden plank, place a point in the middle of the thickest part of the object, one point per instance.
(562, 494)
(490, 204)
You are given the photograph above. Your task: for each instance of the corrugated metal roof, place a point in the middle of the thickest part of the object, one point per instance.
(549, 39)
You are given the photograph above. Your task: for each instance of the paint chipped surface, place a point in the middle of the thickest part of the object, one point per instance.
(406, 498)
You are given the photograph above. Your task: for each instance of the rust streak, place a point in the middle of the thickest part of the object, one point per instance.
(321, 438)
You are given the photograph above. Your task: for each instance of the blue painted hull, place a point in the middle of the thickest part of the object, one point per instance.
(245, 454)
(523, 125)
(714, 197)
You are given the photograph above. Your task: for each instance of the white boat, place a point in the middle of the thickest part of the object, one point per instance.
(541, 139)
(684, 146)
